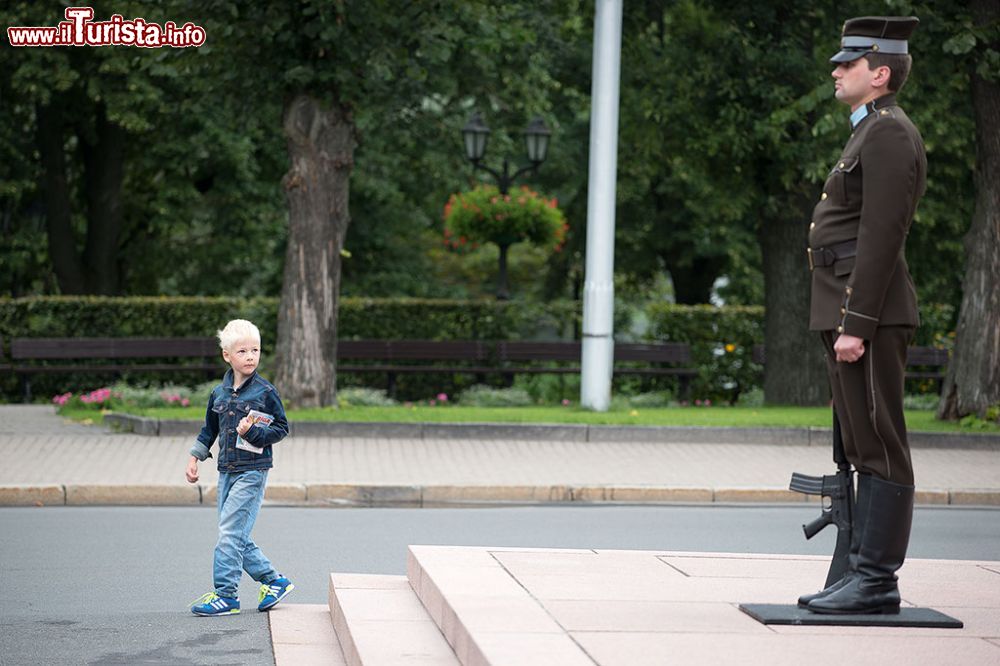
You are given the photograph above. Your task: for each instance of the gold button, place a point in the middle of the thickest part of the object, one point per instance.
(874, 47)
(840, 329)
(841, 165)
(812, 226)
(849, 291)
(843, 311)
(823, 196)
(884, 112)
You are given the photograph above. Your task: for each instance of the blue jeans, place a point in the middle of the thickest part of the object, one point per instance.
(240, 497)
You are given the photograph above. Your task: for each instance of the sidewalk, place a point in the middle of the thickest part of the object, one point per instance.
(52, 462)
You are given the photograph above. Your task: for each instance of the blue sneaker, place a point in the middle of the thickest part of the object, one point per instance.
(271, 593)
(212, 604)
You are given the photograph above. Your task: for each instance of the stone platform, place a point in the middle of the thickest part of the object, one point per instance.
(520, 607)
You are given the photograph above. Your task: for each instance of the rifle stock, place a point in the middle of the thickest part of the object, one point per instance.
(839, 490)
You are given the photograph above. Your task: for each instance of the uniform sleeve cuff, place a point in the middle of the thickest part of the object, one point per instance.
(200, 451)
(859, 327)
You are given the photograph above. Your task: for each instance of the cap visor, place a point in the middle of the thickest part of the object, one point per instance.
(847, 56)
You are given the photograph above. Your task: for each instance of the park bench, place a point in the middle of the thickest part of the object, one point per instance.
(32, 356)
(921, 363)
(507, 358)
(390, 357)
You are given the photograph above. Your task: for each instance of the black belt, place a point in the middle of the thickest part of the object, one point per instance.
(828, 256)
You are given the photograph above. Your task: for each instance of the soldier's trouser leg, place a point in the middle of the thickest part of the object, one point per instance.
(868, 395)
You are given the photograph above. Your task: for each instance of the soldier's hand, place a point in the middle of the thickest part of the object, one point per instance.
(849, 348)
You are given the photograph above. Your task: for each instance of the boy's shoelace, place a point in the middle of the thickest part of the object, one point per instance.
(206, 598)
(266, 590)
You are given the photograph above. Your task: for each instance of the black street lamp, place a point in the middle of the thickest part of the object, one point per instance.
(536, 142)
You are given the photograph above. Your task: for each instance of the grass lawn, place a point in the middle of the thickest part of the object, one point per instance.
(738, 417)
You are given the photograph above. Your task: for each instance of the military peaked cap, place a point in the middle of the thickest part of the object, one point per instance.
(875, 34)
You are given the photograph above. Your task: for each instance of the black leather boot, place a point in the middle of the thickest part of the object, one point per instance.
(872, 587)
(858, 515)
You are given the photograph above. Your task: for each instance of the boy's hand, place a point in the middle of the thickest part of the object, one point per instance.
(244, 425)
(192, 470)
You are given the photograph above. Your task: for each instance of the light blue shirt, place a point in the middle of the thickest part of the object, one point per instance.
(858, 115)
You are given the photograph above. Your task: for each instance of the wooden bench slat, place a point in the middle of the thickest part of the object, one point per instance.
(78, 348)
(418, 350)
(926, 356)
(118, 367)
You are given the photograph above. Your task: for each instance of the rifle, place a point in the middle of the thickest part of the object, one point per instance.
(839, 488)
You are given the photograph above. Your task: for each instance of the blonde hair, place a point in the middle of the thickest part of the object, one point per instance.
(236, 330)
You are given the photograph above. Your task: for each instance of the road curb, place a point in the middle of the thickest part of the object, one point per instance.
(556, 432)
(389, 495)
(131, 495)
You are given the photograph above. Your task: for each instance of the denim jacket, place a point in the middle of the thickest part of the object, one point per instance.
(226, 407)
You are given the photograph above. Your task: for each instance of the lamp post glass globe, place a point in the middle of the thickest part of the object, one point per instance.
(476, 134)
(536, 140)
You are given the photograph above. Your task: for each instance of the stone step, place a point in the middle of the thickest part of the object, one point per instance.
(486, 615)
(379, 621)
(302, 635)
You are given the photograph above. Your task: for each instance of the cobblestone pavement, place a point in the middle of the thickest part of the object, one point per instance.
(41, 448)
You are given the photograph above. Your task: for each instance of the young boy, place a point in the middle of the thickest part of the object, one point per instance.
(247, 416)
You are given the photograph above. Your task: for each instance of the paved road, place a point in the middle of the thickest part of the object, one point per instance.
(111, 585)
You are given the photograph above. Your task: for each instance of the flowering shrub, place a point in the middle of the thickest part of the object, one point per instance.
(483, 215)
(98, 399)
(121, 396)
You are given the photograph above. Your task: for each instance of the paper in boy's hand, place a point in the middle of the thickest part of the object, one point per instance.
(256, 417)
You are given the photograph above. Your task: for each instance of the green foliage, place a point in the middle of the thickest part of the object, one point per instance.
(988, 421)
(363, 396)
(924, 401)
(721, 340)
(719, 136)
(651, 399)
(550, 389)
(483, 215)
(488, 396)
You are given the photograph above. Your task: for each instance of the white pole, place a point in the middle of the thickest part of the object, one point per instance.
(598, 286)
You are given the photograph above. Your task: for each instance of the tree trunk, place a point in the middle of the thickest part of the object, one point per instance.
(794, 372)
(503, 290)
(321, 152)
(973, 381)
(103, 172)
(693, 277)
(63, 254)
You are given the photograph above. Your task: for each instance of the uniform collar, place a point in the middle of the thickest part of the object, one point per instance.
(863, 112)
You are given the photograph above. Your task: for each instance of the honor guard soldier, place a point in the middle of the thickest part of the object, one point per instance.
(864, 304)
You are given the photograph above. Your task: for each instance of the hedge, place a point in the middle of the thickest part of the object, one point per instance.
(723, 370)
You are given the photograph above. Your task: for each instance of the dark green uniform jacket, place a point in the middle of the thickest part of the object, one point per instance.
(869, 198)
